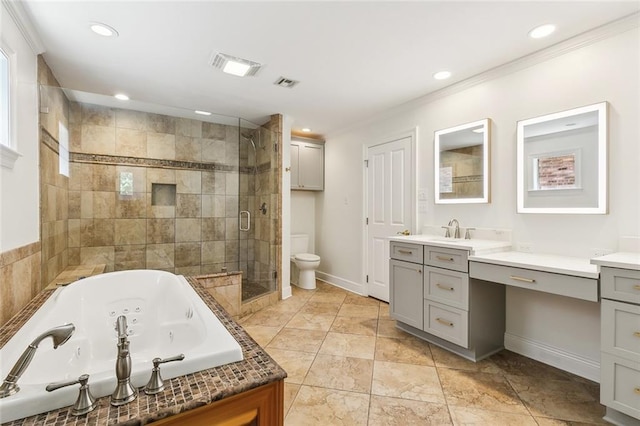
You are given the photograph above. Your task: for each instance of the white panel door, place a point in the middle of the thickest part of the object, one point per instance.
(388, 207)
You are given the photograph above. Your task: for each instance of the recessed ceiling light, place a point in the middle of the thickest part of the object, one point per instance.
(202, 112)
(306, 130)
(442, 75)
(121, 97)
(235, 66)
(103, 29)
(542, 31)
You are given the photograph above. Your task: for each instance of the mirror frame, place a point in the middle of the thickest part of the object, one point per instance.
(486, 163)
(521, 181)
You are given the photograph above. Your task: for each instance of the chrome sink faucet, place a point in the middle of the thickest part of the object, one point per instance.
(125, 392)
(456, 233)
(59, 335)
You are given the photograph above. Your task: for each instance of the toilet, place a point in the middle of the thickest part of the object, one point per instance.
(303, 264)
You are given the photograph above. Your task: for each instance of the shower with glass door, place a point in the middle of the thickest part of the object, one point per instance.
(257, 218)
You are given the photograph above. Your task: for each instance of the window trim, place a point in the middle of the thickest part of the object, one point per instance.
(8, 153)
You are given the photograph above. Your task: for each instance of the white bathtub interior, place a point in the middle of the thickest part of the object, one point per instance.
(165, 317)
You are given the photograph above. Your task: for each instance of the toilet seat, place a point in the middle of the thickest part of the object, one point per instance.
(307, 257)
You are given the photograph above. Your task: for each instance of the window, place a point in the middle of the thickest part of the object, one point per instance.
(8, 155)
(4, 99)
(63, 140)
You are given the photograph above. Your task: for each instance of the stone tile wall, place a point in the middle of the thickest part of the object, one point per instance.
(19, 278)
(54, 187)
(199, 235)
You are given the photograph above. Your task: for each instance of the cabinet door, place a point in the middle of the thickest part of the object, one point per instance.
(311, 166)
(295, 165)
(405, 292)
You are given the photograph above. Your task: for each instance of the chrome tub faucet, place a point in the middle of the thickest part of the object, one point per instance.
(59, 335)
(125, 392)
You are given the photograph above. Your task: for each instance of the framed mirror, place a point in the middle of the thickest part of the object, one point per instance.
(461, 163)
(562, 162)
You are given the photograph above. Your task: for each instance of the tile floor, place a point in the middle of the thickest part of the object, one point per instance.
(349, 365)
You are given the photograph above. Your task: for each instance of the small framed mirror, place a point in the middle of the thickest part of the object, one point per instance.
(461, 163)
(562, 162)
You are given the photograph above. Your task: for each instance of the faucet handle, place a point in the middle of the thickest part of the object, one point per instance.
(85, 402)
(448, 233)
(467, 235)
(155, 383)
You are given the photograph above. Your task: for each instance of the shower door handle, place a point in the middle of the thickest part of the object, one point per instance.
(248, 227)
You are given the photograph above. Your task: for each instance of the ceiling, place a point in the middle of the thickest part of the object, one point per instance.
(353, 59)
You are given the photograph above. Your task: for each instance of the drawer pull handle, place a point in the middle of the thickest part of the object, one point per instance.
(419, 271)
(637, 286)
(636, 333)
(445, 259)
(444, 322)
(444, 287)
(405, 251)
(636, 390)
(524, 280)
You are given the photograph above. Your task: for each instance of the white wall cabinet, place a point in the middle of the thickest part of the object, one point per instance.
(307, 165)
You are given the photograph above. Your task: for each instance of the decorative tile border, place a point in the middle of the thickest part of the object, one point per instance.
(181, 393)
(78, 157)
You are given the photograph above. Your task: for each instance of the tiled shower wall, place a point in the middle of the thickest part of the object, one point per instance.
(196, 235)
(54, 187)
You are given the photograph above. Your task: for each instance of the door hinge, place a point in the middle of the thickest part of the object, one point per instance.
(275, 275)
(367, 278)
(366, 163)
(275, 147)
(366, 221)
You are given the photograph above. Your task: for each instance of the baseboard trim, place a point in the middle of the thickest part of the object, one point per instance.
(341, 282)
(556, 357)
(286, 292)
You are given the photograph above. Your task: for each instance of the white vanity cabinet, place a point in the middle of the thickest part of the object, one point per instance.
(432, 297)
(620, 340)
(307, 164)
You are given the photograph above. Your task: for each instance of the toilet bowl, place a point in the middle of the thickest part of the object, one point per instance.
(304, 273)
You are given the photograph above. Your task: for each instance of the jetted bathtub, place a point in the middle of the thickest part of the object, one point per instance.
(165, 317)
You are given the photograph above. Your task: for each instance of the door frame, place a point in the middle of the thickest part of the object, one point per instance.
(413, 135)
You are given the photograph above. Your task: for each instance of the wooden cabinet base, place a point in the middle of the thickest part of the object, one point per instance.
(256, 407)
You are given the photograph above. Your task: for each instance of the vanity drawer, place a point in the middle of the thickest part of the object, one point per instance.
(620, 384)
(620, 284)
(446, 258)
(563, 285)
(406, 251)
(448, 287)
(620, 332)
(446, 322)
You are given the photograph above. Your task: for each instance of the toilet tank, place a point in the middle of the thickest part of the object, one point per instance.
(299, 243)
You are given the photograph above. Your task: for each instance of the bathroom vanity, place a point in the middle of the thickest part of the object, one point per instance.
(250, 391)
(620, 337)
(433, 297)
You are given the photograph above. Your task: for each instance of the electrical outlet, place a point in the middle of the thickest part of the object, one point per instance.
(422, 195)
(597, 252)
(524, 247)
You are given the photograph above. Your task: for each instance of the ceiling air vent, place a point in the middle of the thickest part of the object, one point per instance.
(286, 82)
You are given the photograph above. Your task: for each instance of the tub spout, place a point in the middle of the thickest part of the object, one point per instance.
(59, 335)
(125, 392)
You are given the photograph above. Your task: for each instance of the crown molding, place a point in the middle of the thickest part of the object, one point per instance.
(24, 23)
(579, 41)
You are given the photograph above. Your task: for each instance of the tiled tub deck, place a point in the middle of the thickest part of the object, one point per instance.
(181, 393)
